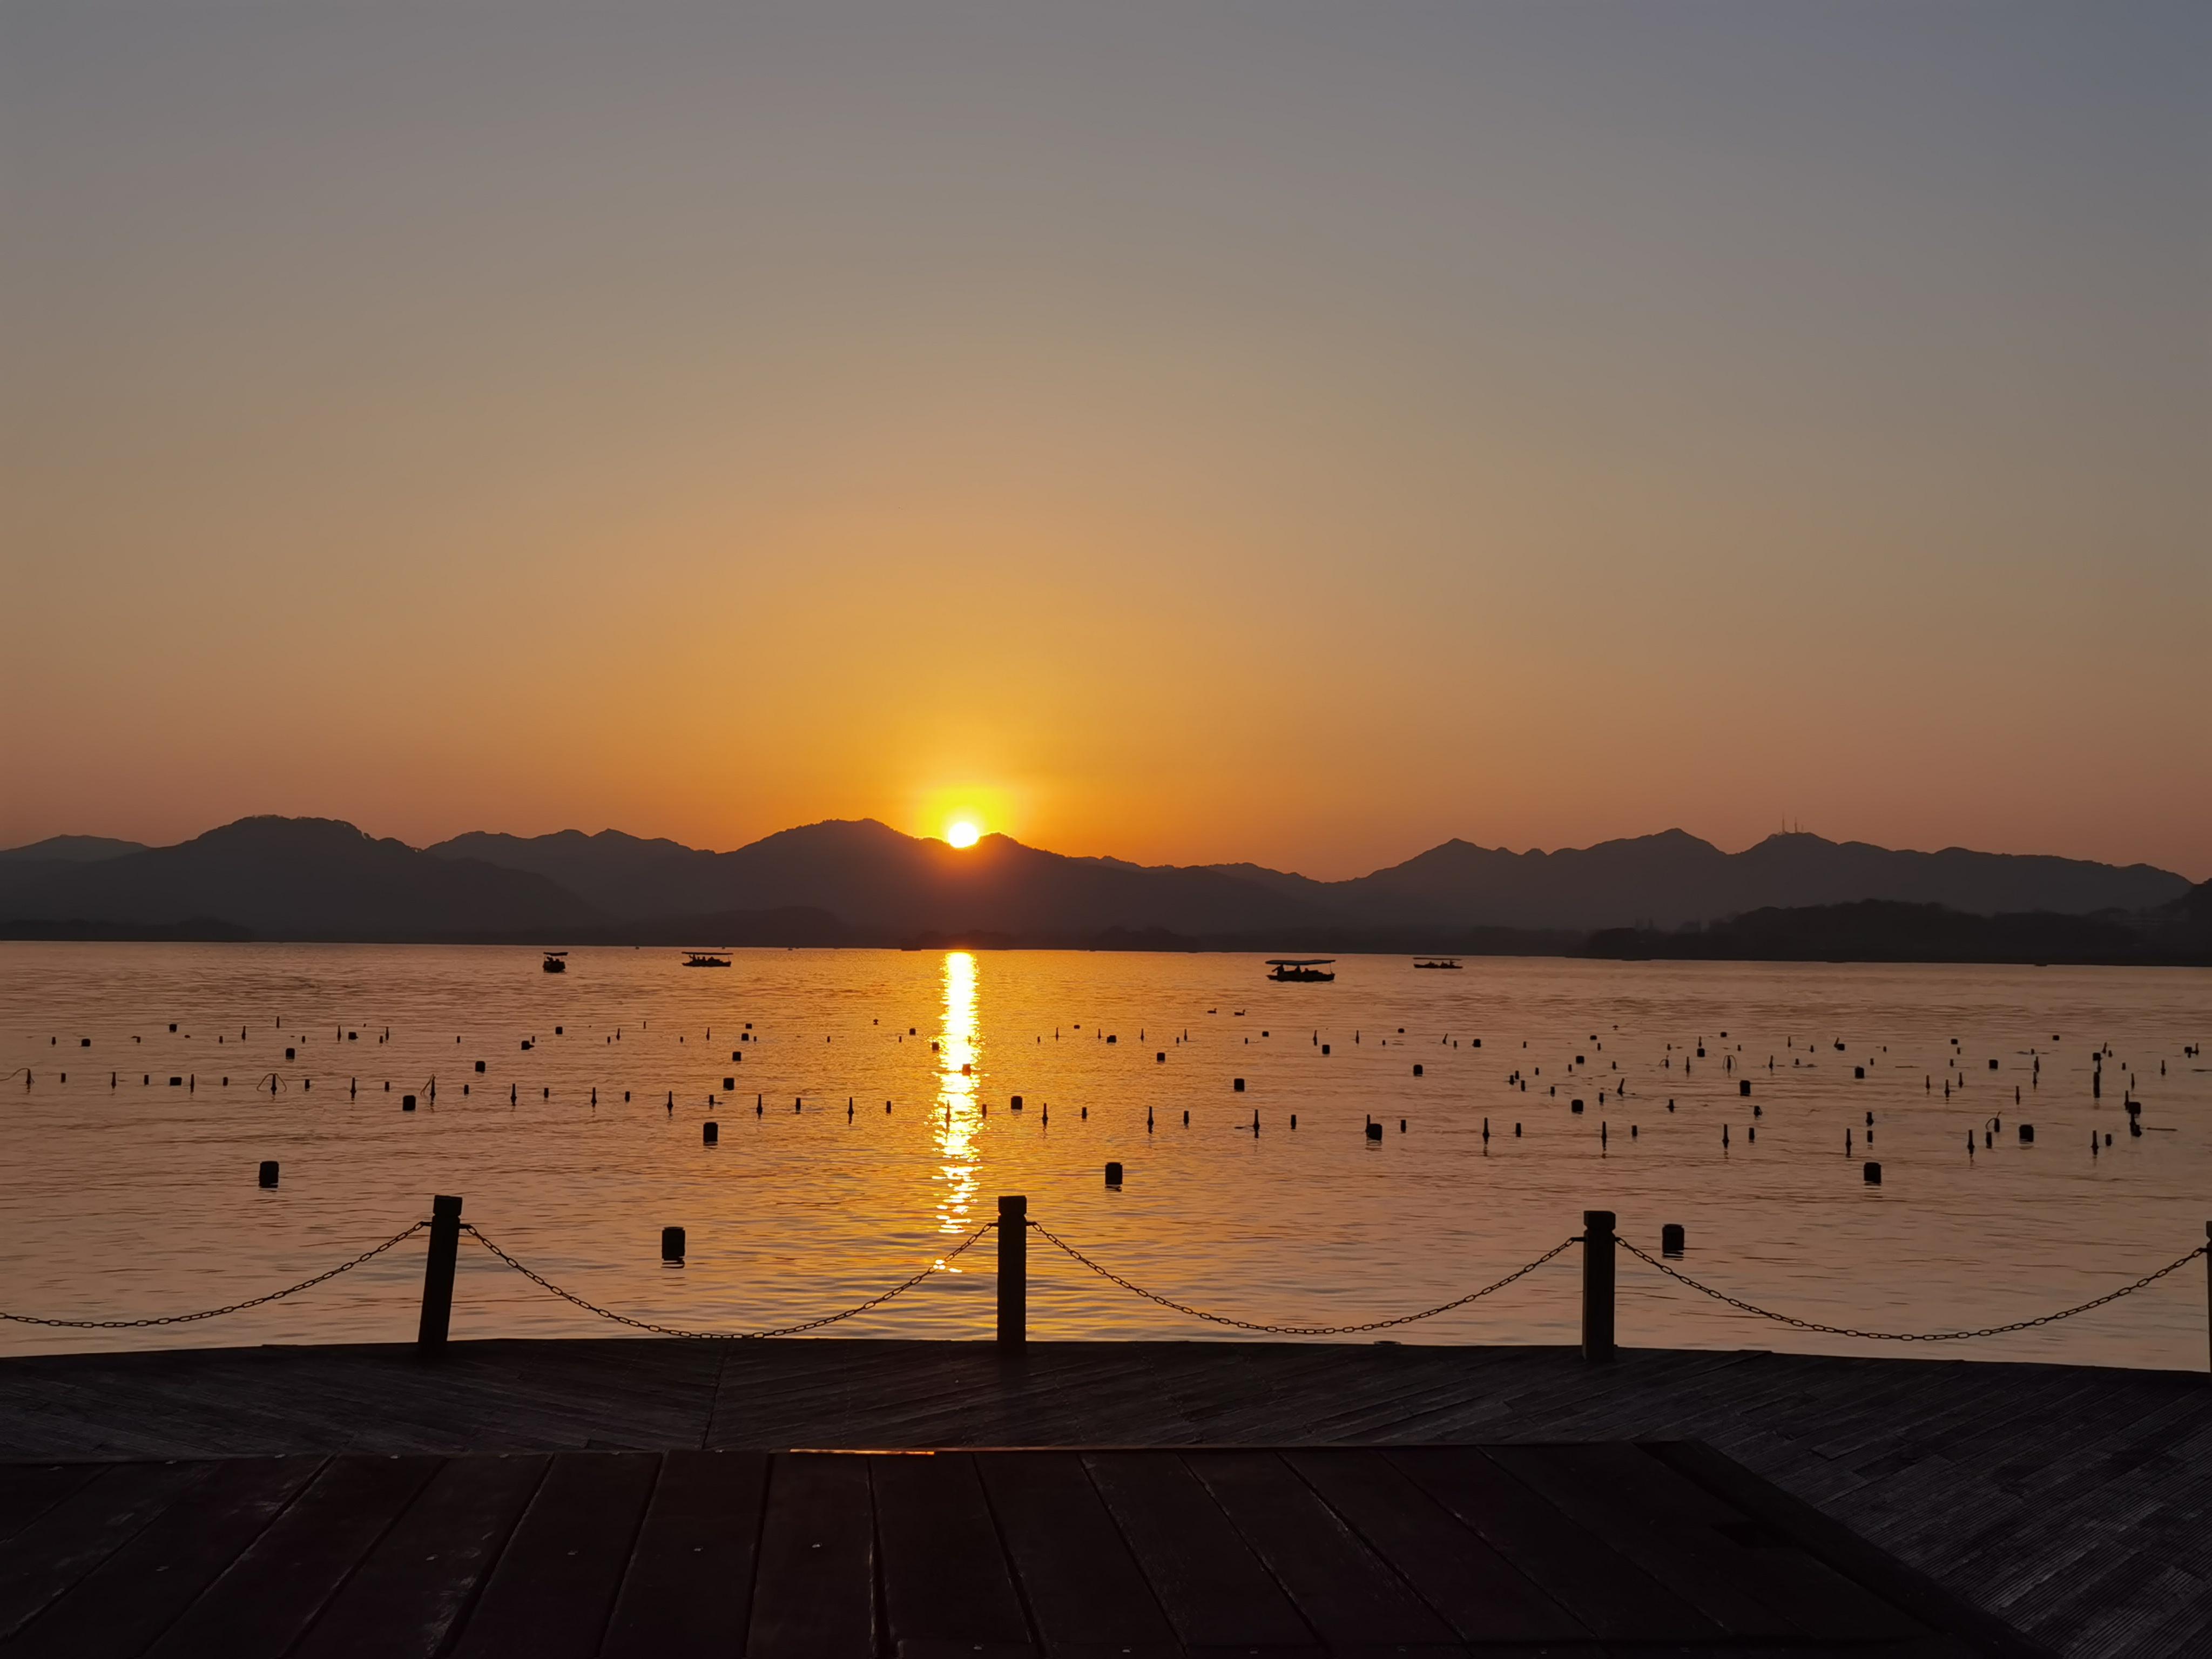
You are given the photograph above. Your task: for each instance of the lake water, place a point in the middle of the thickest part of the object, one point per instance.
(140, 1198)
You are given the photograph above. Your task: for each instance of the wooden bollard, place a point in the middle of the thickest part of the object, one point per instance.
(1597, 1285)
(438, 1274)
(1013, 1270)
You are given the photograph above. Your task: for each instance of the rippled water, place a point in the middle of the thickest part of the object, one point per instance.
(140, 1198)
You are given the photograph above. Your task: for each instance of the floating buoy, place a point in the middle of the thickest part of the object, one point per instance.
(269, 1172)
(671, 1244)
(1374, 1131)
(1113, 1174)
(1873, 1174)
(1670, 1239)
(710, 1133)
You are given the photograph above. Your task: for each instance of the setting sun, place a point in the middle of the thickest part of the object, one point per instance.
(963, 834)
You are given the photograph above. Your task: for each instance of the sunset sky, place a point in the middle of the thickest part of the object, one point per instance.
(1186, 431)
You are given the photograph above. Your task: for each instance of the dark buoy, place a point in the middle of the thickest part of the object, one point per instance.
(728, 1084)
(269, 1172)
(1015, 1103)
(1417, 1068)
(480, 1067)
(1113, 1174)
(2027, 1134)
(1238, 1084)
(1858, 1070)
(288, 1052)
(671, 1244)
(1324, 1048)
(1670, 1239)
(1160, 1056)
(1575, 1106)
(406, 1103)
(1375, 1132)
(710, 1133)
(1743, 1085)
(1873, 1174)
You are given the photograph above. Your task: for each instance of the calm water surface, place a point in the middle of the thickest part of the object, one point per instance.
(140, 1198)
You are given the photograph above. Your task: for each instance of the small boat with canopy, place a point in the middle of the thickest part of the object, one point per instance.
(704, 959)
(1300, 968)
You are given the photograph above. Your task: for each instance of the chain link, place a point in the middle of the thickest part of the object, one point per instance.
(214, 1313)
(900, 1289)
(1794, 1323)
(1109, 1275)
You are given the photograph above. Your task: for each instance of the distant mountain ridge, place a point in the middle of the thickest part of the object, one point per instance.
(862, 881)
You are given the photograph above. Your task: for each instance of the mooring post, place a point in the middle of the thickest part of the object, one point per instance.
(1597, 1285)
(438, 1273)
(1013, 1270)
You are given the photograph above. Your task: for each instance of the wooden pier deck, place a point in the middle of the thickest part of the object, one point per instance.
(1592, 1549)
(2074, 1504)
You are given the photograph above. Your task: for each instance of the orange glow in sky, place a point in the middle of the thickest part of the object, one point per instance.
(1188, 434)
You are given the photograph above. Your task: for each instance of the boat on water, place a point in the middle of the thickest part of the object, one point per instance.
(1300, 968)
(556, 961)
(704, 959)
(1436, 962)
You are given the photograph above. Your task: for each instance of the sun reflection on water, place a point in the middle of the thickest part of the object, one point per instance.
(957, 1118)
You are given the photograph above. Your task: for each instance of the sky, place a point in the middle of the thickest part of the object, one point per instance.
(1188, 431)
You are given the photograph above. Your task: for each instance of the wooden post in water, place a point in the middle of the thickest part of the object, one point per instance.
(1013, 1270)
(1597, 1285)
(438, 1274)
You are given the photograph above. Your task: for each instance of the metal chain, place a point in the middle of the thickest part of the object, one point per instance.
(545, 1284)
(1297, 1330)
(1794, 1323)
(213, 1313)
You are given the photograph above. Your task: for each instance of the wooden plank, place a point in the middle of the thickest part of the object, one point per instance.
(40, 1562)
(1845, 1551)
(688, 1588)
(814, 1594)
(1696, 1563)
(27, 1491)
(1213, 1589)
(1339, 1585)
(1656, 1503)
(259, 1607)
(553, 1590)
(1480, 1593)
(413, 1589)
(1082, 1587)
(136, 1593)
(946, 1583)
(1611, 1595)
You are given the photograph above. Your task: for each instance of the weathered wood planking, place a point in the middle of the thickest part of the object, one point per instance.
(2075, 1502)
(1339, 1550)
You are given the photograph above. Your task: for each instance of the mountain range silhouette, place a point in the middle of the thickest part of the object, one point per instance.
(863, 882)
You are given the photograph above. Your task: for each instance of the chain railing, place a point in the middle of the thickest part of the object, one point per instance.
(324, 1277)
(1817, 1328)
(900, 1289)
(1111, 1277)
(1598, 1236)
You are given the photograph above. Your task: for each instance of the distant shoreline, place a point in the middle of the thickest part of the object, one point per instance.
(1729, 942)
